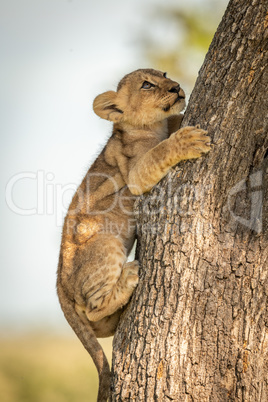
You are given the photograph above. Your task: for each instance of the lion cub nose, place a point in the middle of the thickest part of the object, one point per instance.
(175, 89)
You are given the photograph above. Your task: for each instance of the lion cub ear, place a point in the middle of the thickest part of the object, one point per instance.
(104, 105)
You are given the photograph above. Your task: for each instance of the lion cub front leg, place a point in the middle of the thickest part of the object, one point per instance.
(186, 143)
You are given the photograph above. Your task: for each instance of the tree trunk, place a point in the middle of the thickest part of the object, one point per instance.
(196, 328)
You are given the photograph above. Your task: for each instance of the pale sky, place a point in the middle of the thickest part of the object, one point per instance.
(56, 56)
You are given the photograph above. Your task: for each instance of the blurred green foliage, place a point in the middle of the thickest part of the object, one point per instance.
(39, 368)
(177, 39)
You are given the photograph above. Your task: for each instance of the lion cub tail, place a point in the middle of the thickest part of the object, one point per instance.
(88, 338)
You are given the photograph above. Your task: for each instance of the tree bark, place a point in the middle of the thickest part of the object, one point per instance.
(196, 328)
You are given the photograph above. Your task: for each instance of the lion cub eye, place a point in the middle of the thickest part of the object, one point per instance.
(147, 85)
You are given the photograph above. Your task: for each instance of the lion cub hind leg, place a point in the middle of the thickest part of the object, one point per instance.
(110, 280)
(106, 326)
(117, 296)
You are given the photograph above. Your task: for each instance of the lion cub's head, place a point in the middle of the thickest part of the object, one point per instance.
(143, 97)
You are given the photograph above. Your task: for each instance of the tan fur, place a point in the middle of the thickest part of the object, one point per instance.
(94, 279)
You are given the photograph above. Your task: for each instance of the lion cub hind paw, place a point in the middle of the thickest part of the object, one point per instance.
(130, 274)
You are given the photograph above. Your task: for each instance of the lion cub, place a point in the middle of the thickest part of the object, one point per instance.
(94, 279)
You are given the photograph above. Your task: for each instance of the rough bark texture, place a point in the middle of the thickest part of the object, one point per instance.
(197, 326)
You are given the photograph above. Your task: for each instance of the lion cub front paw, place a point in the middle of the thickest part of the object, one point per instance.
(191, 142)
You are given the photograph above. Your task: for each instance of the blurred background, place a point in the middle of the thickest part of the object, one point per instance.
(56, 56)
